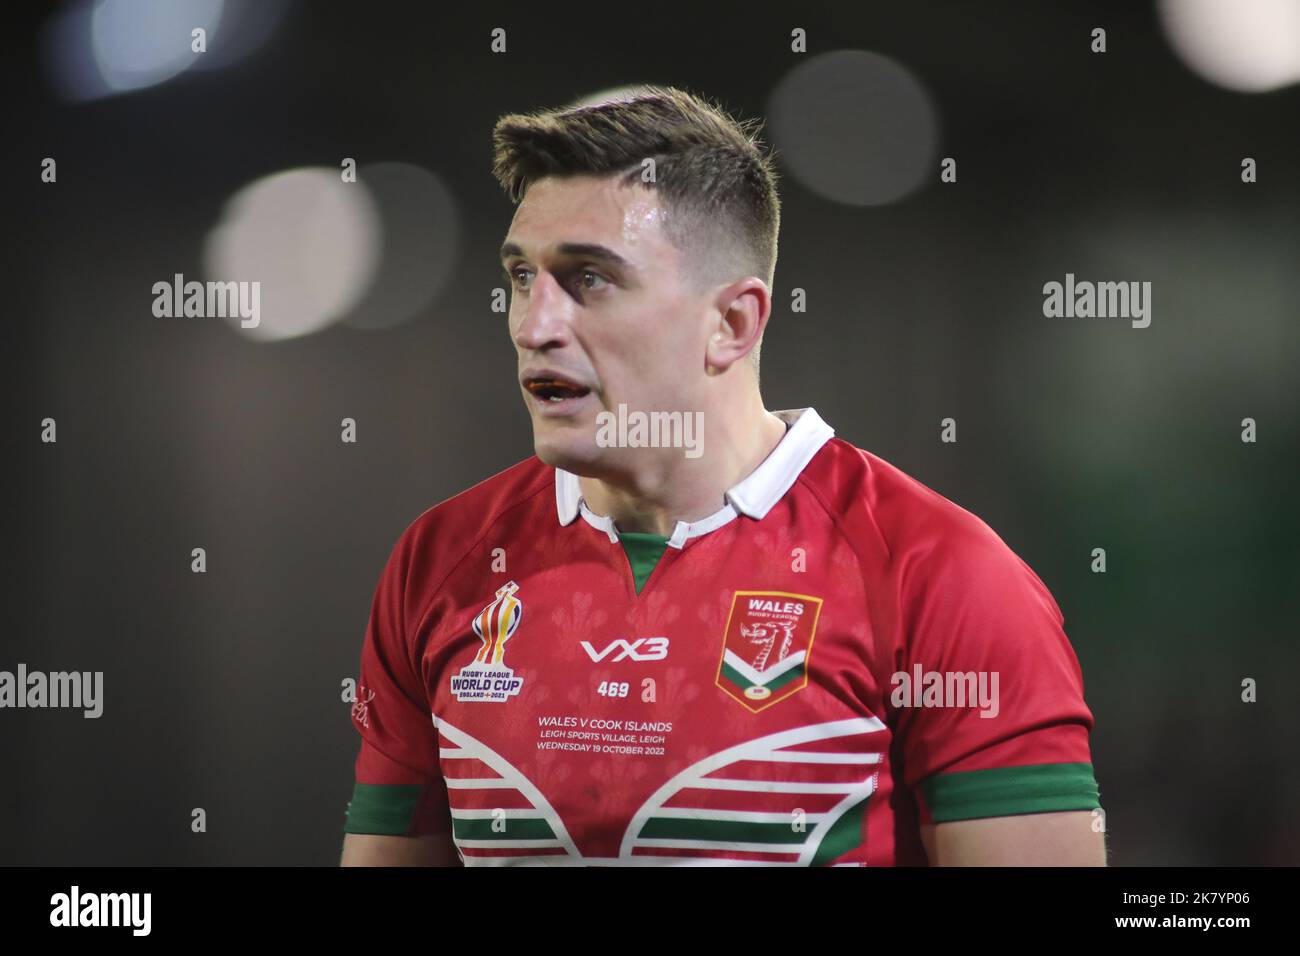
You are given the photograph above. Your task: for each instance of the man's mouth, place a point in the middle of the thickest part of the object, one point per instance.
(552, 389)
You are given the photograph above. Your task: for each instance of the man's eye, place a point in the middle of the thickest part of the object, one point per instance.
(588, 274)
(514, 277)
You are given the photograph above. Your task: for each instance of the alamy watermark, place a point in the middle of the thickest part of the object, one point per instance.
(213, 300)
(73, 689)
(922, 688)
(651, 430)
(102, 909)
(1098, 300)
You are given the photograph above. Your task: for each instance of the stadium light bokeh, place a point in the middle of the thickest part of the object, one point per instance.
(1248, 46)
(94, 49)
(420, 245)
(311, 240)
(855, 127)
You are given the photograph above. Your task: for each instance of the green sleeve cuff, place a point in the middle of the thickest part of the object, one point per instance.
(1010, 791)
(387, 809)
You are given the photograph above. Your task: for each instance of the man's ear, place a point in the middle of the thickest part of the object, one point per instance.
(742, 310)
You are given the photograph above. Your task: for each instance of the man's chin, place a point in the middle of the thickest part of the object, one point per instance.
(566, 449)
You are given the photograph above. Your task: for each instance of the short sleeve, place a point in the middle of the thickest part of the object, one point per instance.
(991, 717)
(398, 787)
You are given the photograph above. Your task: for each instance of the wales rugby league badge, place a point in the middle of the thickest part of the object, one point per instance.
(767, 646)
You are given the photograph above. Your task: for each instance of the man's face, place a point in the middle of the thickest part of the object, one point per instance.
(600, 315)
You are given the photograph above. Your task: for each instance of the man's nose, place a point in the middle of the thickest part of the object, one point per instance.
(547, 313)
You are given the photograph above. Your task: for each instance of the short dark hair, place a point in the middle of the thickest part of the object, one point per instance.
(715, 178)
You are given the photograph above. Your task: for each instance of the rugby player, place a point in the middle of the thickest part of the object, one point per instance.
(743, 643)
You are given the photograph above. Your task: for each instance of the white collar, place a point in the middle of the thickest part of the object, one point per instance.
(755, 496)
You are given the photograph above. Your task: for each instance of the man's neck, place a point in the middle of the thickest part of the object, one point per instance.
(671, 487)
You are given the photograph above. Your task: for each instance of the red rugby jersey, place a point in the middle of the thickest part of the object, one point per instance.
(835, 657)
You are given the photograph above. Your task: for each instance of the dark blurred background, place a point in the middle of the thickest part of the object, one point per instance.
(924, 301)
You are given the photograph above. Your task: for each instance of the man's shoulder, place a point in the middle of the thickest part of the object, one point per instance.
(920, 545)
(458, 521)
(883, 508)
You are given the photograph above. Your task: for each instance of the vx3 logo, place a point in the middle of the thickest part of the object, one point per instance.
(656, 649)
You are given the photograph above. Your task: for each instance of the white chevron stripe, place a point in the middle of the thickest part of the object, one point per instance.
(530, 813)
(763, 749)
(802, 756)
(479, 783)
(638, 860)
(770, 786)
(509, 777)
(789, 848)
(733, 816)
